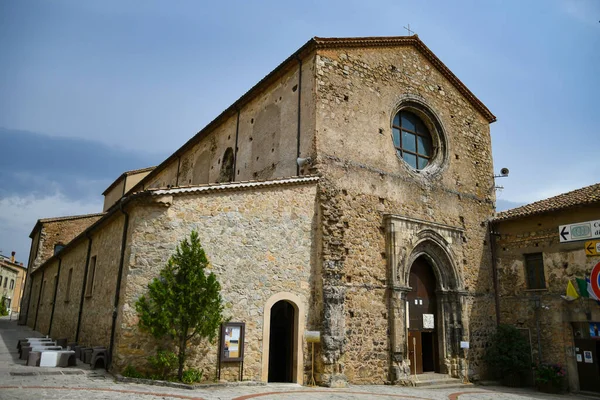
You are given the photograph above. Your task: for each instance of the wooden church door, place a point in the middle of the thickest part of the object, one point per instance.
(422, 327)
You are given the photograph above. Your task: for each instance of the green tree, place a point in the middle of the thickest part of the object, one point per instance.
(184, 303)
(508, 354)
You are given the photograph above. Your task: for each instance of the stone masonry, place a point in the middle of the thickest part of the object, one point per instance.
(334, 233)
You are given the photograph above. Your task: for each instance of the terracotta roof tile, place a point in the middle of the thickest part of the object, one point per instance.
(234, 185)
(579, 197)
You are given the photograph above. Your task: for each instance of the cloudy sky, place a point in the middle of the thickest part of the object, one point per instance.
(89, 89)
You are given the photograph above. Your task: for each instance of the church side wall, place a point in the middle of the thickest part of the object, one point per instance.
(358, 92)
(259, 244)
(66, 311)
(46, 295)
(96, 322)
(267, 137)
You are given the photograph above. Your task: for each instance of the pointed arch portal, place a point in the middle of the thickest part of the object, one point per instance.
(426, 296)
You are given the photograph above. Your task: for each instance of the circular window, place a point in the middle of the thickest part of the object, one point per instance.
(412, 139)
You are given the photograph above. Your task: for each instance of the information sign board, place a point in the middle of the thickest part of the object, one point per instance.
(579, 231)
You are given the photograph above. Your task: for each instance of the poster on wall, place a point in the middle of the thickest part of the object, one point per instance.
(232, 341)
(594, 330)
(428, 321)
(587, 356)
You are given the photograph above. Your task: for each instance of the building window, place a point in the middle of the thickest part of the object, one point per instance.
(534, 269)
(0, 280)
(12, 284)
(68, 292)
(58, 247)
(90, 280)
(412, 139)
(5, 281)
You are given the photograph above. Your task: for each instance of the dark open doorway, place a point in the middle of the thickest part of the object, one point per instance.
(281, 342)
(423, 321)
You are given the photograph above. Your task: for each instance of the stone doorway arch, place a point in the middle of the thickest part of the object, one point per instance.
(297, 353)
(409, 240)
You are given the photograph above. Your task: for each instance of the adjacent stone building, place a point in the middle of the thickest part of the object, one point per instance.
(48, 236)
(12, 282)
(348, 192)
(534, 268)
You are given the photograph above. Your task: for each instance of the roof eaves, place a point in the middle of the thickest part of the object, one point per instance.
(58, 219)
(235, 185)
(123, 176)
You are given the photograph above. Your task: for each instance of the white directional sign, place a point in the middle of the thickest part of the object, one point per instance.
(579, 231)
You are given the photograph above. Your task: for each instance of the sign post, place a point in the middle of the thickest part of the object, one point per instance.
(592, 248)
(579, 231)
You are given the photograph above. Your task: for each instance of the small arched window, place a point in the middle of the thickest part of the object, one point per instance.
(412, 139)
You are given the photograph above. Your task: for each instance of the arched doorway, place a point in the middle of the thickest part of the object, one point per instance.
(281, 342)
(423, 318)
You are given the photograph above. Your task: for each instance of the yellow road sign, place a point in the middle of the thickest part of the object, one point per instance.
(592, 248)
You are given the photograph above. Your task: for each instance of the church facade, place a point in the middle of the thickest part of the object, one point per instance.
(348, 192)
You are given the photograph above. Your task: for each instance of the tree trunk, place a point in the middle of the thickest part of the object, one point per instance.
(182, 343)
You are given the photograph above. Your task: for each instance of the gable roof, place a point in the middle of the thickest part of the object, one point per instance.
(397, 41)
(57, 219)
(579, 197)
(312, 45)
(123, 175)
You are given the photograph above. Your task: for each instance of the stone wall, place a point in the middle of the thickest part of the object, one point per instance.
(358, 93)
(97, 311)
(43, 284)
(259, 244)
(66, 312)
(562, 262)
(49, 234)
(266, 128)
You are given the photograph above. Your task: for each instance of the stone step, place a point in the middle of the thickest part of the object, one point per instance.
(454, 385)
(436, 380)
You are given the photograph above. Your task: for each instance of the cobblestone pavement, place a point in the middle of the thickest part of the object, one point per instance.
(18, 381)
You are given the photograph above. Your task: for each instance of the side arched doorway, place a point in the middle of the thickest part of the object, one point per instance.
(283, 324)
(281, 342)
(423, 319)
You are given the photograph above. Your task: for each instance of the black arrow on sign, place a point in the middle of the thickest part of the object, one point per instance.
(590, 248)
(563, 233)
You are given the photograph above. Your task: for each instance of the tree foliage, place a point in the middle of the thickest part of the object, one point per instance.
(509, 353)
(184, 303)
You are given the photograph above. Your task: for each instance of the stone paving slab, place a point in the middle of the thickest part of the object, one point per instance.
(18, 381)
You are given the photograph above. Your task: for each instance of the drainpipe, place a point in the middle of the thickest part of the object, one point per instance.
(54, 296)
(29, 279)
(37, 310)
(177, 177)
(493, 234)
(237, 131)
(537, 302)
(85, 274)
(299, 109)
(118, 288)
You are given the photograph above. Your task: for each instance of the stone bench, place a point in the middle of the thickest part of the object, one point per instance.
(99, 355)
(33, 358)
(67, 358)
(24, 353)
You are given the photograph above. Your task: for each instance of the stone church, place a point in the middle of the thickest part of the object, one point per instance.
(348, 192)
